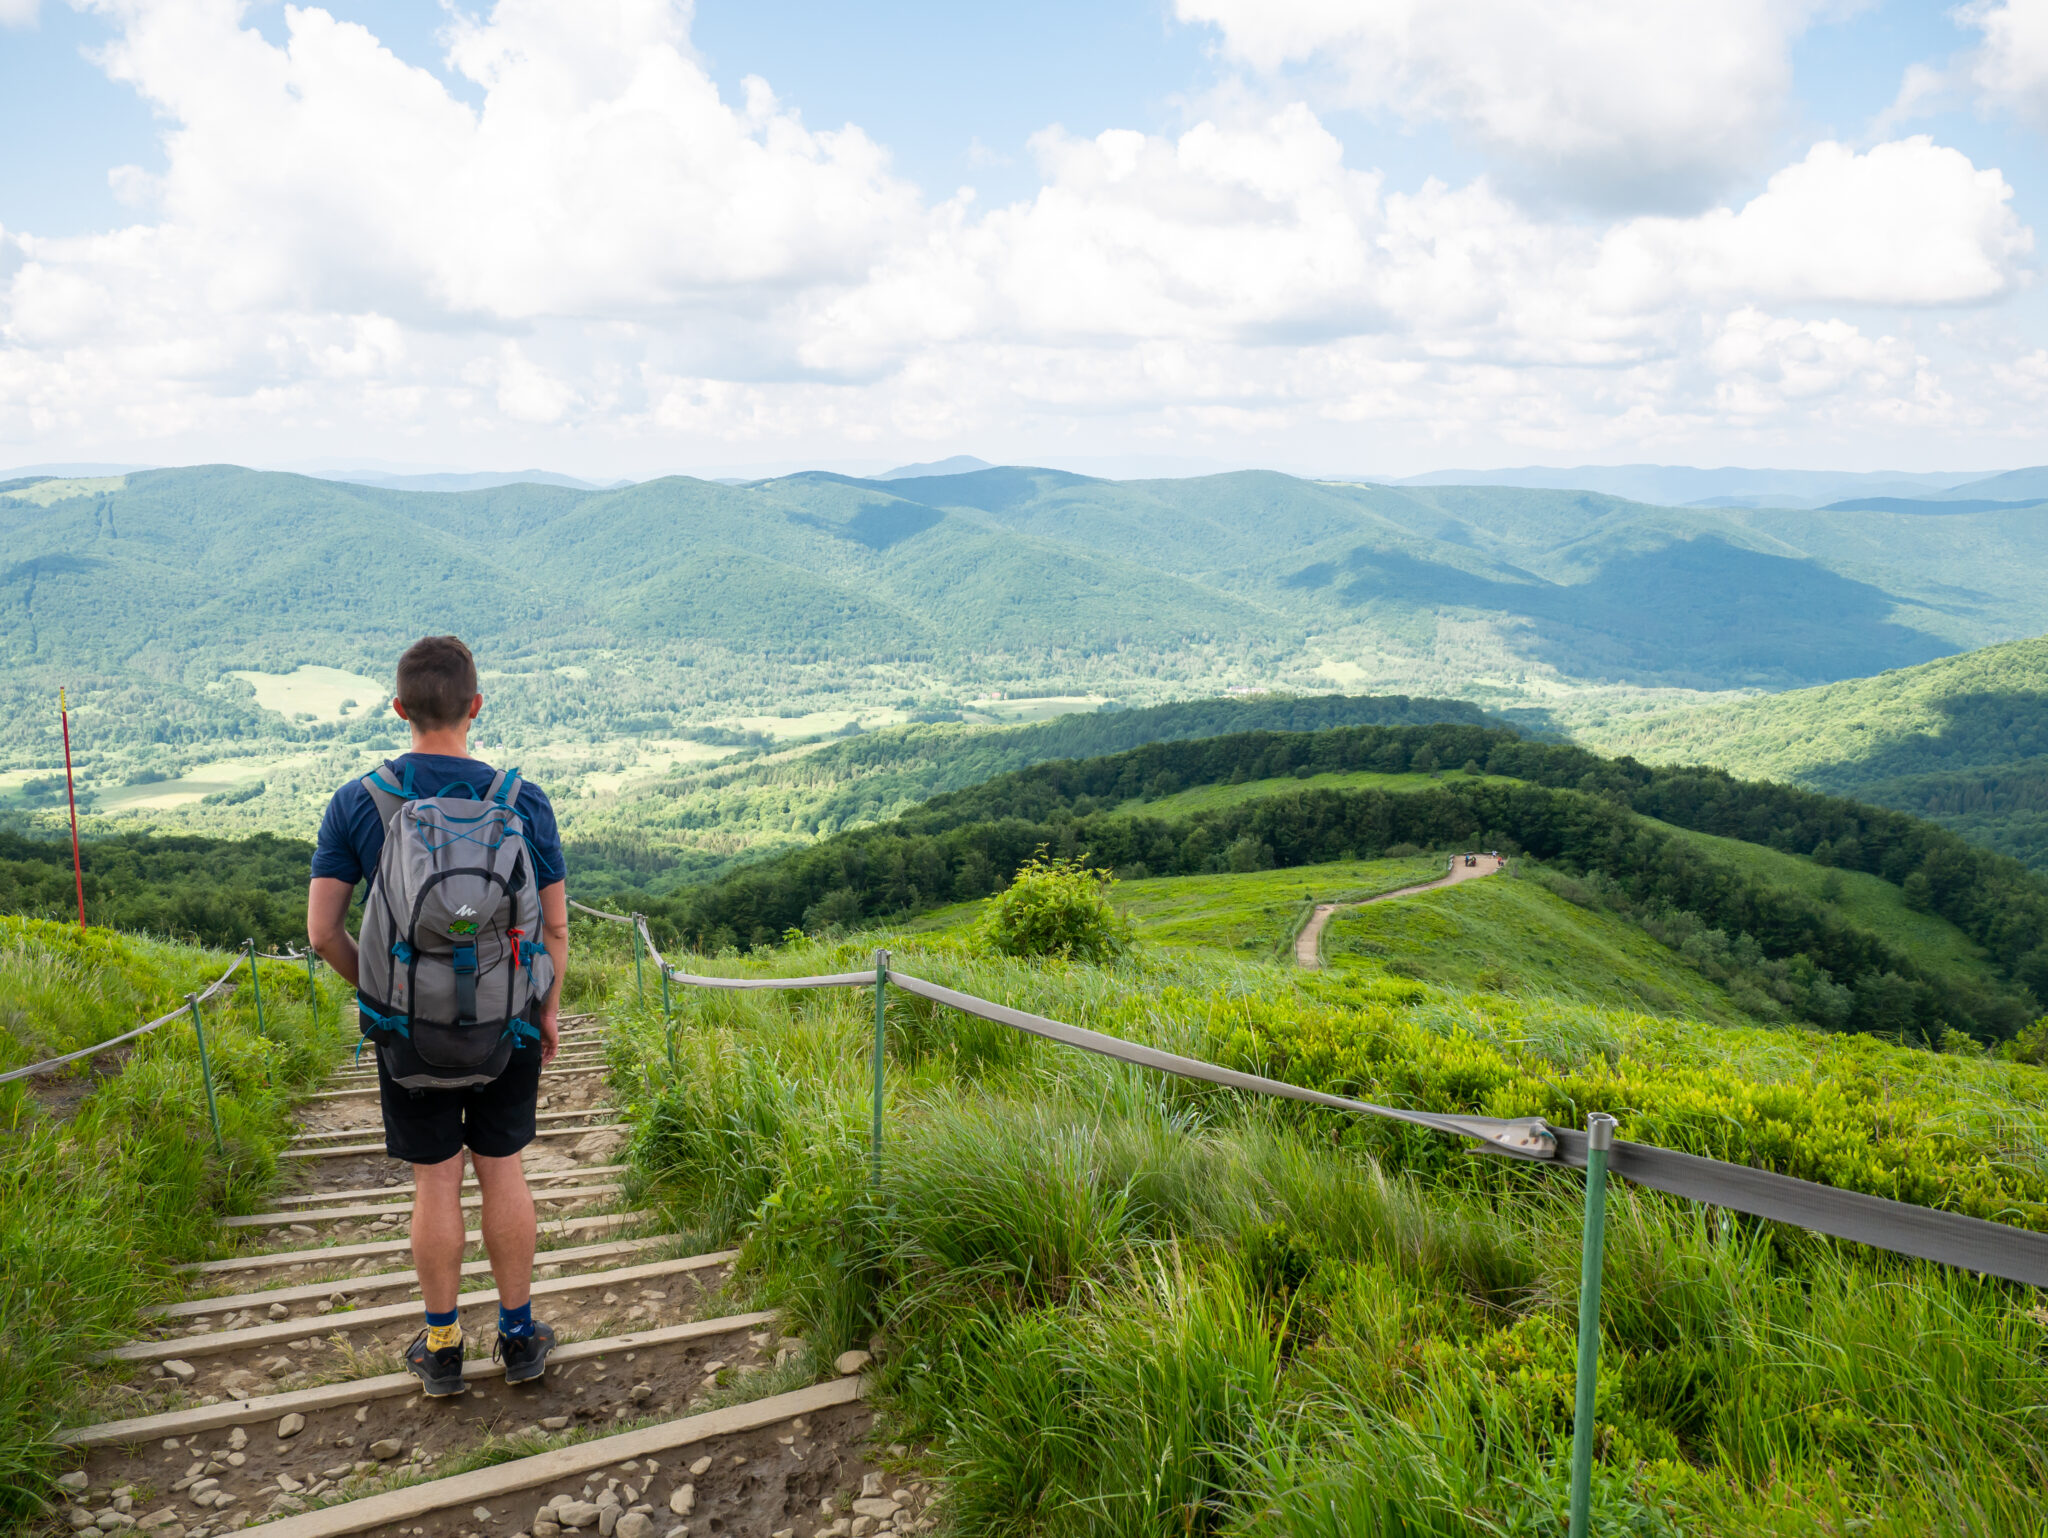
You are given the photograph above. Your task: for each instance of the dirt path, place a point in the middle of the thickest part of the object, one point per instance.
(1308, 945)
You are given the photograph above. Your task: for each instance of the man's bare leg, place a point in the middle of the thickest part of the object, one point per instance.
(508, 1227)
(437, 1231)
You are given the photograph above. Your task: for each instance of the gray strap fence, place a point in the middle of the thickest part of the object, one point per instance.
(212, 989)
(1925, 1233)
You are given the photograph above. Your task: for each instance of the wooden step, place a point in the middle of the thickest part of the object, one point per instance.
(533, 1177)
(328, 1254)
(355, 1150)
(410, 1502)
(328, 1396)
(383, 1281)
(340, 1132)
(345, 1214)
(268, 1334)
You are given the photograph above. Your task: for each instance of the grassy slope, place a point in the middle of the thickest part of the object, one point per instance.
(1867, 901)
(1511, 936)
(1121, 1304)
(1211, 798)
(1258, 912)
(95, 1208)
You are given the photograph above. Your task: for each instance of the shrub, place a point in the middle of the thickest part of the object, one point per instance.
(1058, 908)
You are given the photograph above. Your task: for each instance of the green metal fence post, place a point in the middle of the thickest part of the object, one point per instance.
(312, 992)
(206, 1073)
(1599, 1139)
(639, 981)
(881, 1043)
(668, 1024)
(255, 985)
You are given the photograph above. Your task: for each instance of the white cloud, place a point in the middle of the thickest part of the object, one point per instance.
(1660, 104)
(1907, 223)
(19, 13)
(2010, 69)
(604, 252)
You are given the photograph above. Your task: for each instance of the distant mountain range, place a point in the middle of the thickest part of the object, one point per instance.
(1685, 486)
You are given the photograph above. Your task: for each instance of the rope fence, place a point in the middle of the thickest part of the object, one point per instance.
(1924, 1233)
(246, 955)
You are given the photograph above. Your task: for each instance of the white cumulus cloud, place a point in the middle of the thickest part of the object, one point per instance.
(340, 252)
(2010, 69)
(1660, 104)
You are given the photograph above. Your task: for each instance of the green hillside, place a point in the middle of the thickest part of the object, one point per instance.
(227, 634)
(1962, 741)
(1508, 935)
(1969, 955)
(687, 826)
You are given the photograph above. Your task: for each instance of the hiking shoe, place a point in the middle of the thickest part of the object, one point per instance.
(525, 1356)
(440, 1371)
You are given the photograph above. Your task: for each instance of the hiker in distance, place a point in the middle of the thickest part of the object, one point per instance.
(465, 940)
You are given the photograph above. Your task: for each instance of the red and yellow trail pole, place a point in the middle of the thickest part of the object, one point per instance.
(70, 795)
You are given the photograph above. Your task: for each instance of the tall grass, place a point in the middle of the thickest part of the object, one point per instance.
(95, 1207)
(1121, 1304)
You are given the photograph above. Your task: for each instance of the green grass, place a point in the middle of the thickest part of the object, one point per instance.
(1507, 935)
(99, 1199)
(1258, 912)
(1869, 902)
(1213, 798)
(1254, 912)
(1123, 1304)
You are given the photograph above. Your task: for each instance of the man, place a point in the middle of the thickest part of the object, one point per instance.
(431, 1127)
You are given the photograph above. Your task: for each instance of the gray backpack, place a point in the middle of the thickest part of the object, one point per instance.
(452, 962)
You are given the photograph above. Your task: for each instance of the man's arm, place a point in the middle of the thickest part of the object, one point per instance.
(327, 902)
(554, 934)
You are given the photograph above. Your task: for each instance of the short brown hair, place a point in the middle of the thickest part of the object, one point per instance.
(436, 681)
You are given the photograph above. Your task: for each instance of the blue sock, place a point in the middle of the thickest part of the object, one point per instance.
(515, 1322)
(441, 1321)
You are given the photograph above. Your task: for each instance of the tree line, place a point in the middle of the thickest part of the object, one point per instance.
(1567, 807)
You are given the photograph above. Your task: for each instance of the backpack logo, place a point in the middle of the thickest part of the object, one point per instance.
(466, 912)
(461, 927)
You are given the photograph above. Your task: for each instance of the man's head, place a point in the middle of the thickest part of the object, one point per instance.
(437, 685)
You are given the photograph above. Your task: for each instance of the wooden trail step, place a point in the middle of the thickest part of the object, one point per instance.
(267, 1334)
(560, 1463)
(589, 1110)
(330, 1396)
(533, 1177)
(596, 1063)
(323, 1256)
(354, 1150)
(368, 1087)
(383, 1281)
(344, 1214)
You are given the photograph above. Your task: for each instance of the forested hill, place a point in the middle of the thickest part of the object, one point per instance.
(605, 614)
(1962, 741)
(1613, 822)
(693, 826)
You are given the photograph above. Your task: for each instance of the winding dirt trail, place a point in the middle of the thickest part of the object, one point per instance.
(1308, 945)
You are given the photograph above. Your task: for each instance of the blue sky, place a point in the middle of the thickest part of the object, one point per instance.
(1351, 238)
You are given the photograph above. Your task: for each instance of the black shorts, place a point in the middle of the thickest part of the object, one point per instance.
(428, 1126)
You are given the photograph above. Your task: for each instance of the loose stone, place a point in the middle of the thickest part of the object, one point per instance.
(184, 1372)
(849, 1362)
(291, 1425)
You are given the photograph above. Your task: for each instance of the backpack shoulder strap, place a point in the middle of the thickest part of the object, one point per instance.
(389, 797)
(504, 790)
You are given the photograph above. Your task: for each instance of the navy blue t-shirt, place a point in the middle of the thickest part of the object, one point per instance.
(352, 836)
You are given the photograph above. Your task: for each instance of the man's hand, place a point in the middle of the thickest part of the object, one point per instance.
(550, 1030)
